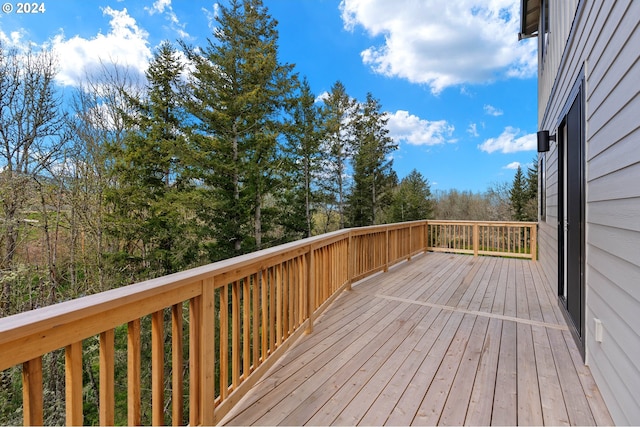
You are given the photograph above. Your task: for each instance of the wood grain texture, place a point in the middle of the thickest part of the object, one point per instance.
(32, 392)
(73, 384)
(107, 353)
(443, 339)
(133, 373)
(157, 368)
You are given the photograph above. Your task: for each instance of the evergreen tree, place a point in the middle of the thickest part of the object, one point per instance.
(372, 173)
(518, 196)
(532, 181)
(523, 195)
(238, 94)
(338, 113)
(149, 204)
(531, 206)
(303, 147)
(412, 199)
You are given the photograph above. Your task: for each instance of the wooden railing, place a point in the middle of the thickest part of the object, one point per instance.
(234, 318)
(511, 239)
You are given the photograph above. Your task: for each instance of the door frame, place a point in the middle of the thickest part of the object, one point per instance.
(577, 330)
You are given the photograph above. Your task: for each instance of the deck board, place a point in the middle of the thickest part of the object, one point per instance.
(443, 339)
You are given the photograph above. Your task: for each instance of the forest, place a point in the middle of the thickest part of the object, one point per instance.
(219, 151)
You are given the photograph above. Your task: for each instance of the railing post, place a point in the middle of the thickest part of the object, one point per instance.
(32, 392)
(311, 284)
(195, 363)
(475, 239)
(426, 236)
(386, 252)
(133, 373)
(107, 375)
(73, 384)
(157, 368)
(534, 241)
(410, 243)
(207, 353)
(350, 259)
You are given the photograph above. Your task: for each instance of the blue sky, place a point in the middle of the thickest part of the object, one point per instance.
(459, 89)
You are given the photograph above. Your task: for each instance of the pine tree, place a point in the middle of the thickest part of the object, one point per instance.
(372, 167)
(149, 215)
(531, 205)
(303, 147)
(238, 94)
(532, 181)
(338, 115)
(412, 199)
(518, 196)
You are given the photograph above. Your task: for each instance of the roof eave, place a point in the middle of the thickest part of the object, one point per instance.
(529, 18)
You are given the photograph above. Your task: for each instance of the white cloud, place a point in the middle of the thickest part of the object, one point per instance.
(322, 97)
(159, 6)
(14, 39)
(416, 131)
(212, 16)
(473, 130)
(512, 165)
(510, 141)
(443, 43)
(492, 111)
(164, 7)
(126, 45)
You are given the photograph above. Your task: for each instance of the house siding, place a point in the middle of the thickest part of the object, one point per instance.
(602, 41)
(561, 15)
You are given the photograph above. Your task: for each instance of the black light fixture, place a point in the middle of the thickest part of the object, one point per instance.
(543, 140)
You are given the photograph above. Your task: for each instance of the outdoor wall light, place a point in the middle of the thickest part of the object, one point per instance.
(543, 140)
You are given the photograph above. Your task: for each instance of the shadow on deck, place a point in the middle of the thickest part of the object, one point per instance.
(443, 339)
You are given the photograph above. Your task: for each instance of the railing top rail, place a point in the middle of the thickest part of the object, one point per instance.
(467, 222)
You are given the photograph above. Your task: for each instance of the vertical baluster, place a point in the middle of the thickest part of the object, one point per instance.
(311, 283)
(207, 352)
(386, 249)
(106, 378)
(279, 303)
(224, 341)
(133, 373)
(32, 392)
(302, 271)
(272, 309)
(264, 287)
(255, 295)
(73, 384)
(293, 294)
(157, 368)
(475, 240)
(246, 327)
(286, 285)
(177, 378)
(236, 352)
(195, 363)
(300, 285)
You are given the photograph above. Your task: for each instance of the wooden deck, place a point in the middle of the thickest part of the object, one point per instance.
(443, 339)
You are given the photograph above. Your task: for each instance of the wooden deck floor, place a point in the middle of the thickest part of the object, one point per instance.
(443, 339)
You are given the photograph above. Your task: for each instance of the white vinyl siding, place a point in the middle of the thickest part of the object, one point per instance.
(605, 43)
